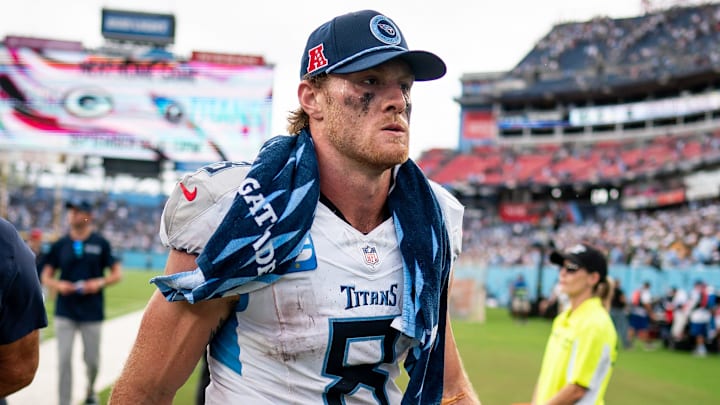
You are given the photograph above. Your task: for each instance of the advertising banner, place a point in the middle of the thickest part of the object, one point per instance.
(478, 125)
(83, 103)
(520, 212)
(227, 58)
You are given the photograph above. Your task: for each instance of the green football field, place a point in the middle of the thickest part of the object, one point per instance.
(502, 358)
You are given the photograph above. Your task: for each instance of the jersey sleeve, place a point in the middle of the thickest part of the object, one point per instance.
(198, 204)
(453, 213)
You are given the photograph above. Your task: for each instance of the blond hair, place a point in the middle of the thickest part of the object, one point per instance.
(605, 289)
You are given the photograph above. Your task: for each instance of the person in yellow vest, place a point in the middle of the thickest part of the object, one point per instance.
(582, 347)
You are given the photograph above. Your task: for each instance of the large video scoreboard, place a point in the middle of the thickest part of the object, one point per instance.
(74, 101)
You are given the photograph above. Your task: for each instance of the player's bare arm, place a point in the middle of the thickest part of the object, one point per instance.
(170, 341)
(19, 361)
(49, 279)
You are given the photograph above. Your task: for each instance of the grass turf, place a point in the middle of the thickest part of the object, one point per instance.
(502, 358)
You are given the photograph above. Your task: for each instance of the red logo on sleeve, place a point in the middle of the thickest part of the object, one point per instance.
(316, 59)
(190, 195)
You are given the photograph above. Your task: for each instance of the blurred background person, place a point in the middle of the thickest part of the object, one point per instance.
(35, 242)
(700, 316)
(520, 302)
(619, 314)
(641, 314)
(678, 329)
(81, 258)
(555, 303)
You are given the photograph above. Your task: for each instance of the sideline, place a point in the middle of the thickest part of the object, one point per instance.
(118, 336)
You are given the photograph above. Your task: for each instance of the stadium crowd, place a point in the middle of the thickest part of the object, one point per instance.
(677, 237)
(674, 40)
(128, 223)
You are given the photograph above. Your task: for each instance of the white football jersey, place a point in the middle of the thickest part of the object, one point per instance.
(319, 334)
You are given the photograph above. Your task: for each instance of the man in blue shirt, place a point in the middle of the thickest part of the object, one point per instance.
(81, 257)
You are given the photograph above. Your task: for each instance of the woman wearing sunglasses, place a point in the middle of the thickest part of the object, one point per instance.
(582, 347)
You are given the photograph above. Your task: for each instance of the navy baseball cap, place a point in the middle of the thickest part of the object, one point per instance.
(361, 40)
(83, 206)
(584, 256)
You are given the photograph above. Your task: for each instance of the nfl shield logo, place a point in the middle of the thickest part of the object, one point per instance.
(370, 255)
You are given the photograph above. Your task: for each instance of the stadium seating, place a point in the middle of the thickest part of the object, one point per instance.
(679, 39)
(598, 162)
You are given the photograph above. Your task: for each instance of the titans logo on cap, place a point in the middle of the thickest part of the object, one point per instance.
(385, 30)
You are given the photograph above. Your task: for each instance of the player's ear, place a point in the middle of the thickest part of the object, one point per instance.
(310, 98)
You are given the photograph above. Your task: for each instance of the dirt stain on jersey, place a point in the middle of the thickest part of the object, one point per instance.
(299, 336)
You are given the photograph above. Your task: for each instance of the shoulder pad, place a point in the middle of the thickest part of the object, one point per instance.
(198, 204)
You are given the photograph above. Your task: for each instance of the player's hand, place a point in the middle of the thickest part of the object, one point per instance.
(64, 287)
(93, 285)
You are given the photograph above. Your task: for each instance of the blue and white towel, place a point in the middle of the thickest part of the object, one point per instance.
(264, 230)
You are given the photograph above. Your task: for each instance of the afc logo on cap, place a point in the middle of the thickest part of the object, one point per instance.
(316, 59)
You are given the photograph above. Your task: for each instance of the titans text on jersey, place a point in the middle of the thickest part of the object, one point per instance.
(356, 298)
